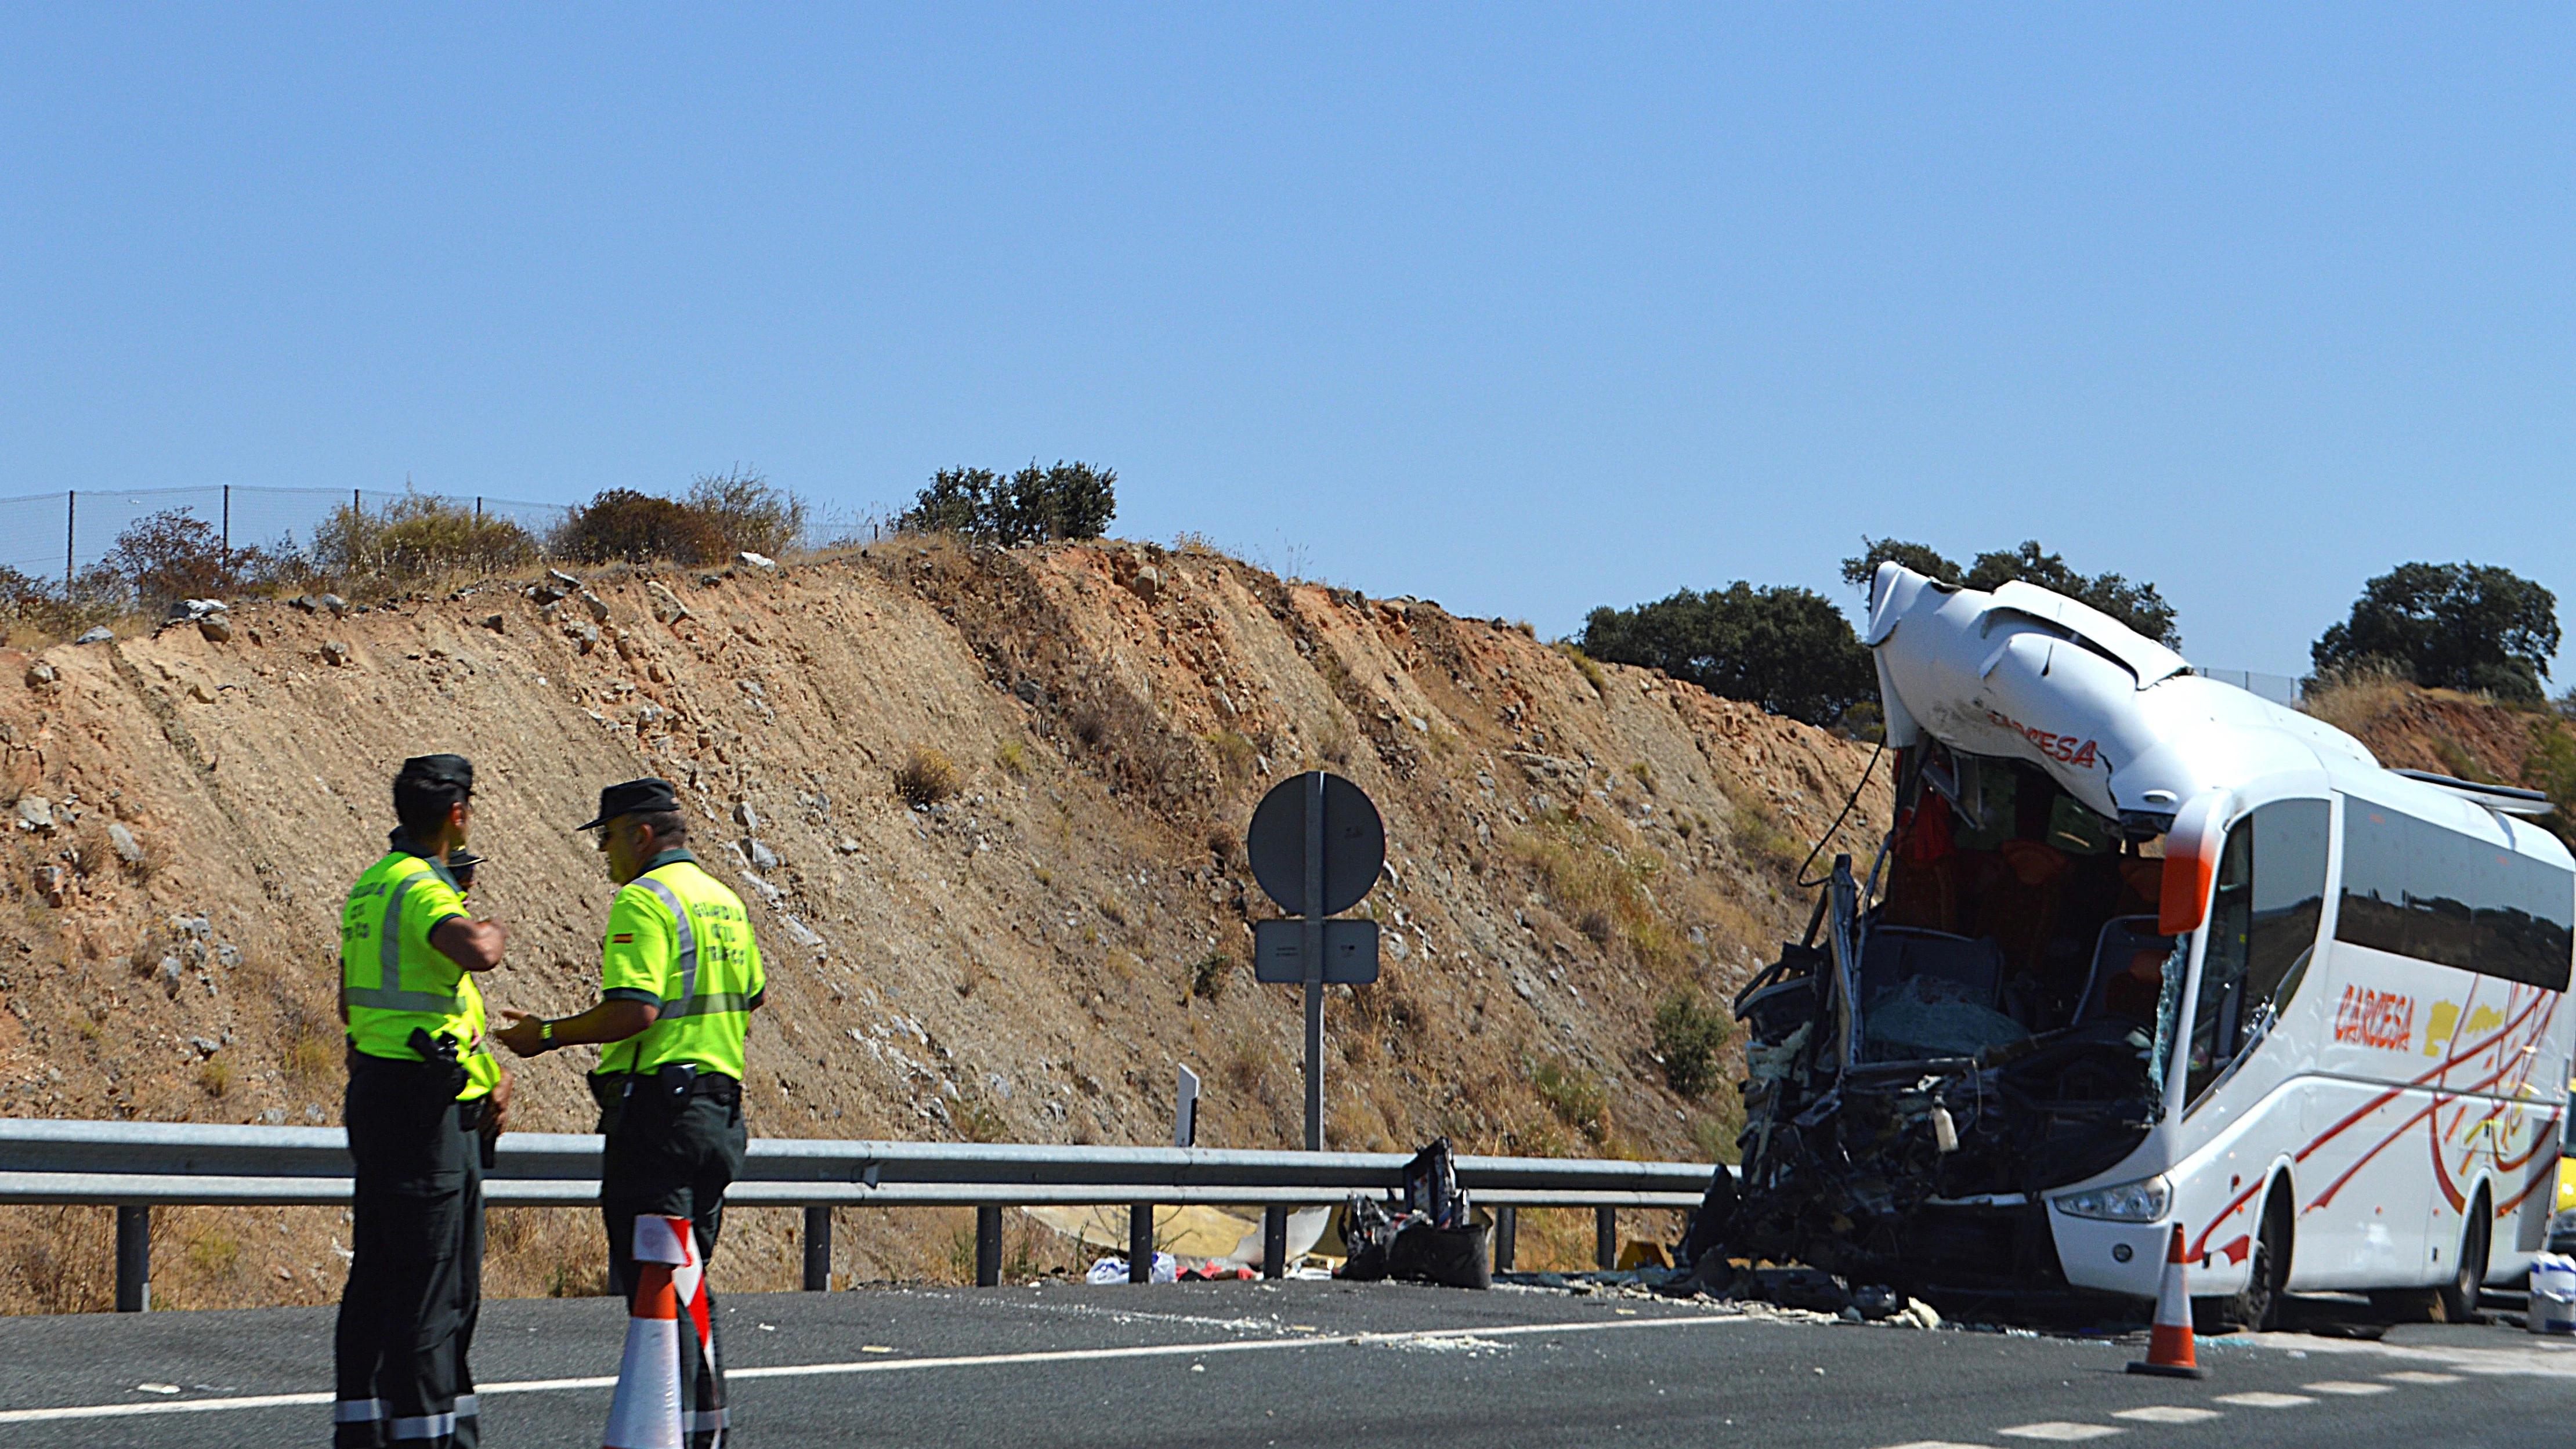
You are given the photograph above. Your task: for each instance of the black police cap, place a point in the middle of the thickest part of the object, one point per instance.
(635, 797)
(453, 770)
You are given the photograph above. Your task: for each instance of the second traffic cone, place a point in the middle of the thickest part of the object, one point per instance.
(705, 1418)
(645, 1414)
(2169, 1342)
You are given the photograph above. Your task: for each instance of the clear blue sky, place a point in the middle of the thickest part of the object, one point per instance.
(1524, 310)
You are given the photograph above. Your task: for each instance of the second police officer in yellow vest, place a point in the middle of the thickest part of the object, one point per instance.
(680, 977)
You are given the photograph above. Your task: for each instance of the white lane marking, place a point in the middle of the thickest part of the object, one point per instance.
(2166, 1414)
(2542, 1358)
(2344, 1386)
(2058, 1431)
(2418, 1376)
(1934, 1444)
(181, 1406)
(1167, 1350)
(2258, 1399)
(891, 1365)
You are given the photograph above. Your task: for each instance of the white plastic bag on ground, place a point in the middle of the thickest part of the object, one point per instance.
(2553, 1294)
(1167, 1269)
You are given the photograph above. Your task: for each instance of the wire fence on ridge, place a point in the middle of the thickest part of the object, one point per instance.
(51, 536)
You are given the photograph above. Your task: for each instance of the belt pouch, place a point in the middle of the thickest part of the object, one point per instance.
(676, 1079)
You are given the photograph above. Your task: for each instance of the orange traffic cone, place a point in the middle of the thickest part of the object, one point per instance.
(2169, 1342)
(645, 1414)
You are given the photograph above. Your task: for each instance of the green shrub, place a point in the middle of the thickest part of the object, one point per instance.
(1688, 1034)
(1208, 977)
(417, 536)
(1235, 755)
(156, 559)
(1786, 649)
(2137, 605)
(50, 610)
(748, 513)
(1574, 1095)
(2449, 626)
(1034, 505)
(624, 526)
(927, 776)
(1719, 1138)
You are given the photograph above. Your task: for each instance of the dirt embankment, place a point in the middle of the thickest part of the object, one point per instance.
(1028, 959)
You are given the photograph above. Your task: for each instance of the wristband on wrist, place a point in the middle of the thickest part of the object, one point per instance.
(546, 1037)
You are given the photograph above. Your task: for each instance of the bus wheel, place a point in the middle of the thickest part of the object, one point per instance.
(2257, 1307)
(2459, 1297)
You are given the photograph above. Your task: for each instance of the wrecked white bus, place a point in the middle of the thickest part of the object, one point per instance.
(2144, 949)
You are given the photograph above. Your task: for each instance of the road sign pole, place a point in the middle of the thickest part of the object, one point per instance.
(1312, 959)
(1317, 846)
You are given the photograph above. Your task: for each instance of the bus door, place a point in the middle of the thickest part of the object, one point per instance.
(2262, 940)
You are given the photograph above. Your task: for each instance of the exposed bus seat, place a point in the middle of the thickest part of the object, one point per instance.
(2116, 985)
(2018, 900)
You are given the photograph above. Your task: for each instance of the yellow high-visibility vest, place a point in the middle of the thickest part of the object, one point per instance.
(392, 981)
(679, 941)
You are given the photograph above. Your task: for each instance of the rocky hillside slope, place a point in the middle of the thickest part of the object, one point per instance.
(1027, 958)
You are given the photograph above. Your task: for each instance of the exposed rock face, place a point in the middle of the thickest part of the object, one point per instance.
(1030, 957)
(667, 608)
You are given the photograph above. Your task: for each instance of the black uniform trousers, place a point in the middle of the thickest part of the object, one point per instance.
(416, 1271)
(672, 1156)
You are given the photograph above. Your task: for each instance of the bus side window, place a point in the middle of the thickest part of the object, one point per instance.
(2263, 933)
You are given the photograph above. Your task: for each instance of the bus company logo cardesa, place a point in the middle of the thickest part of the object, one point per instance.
(2064, 749)
(2375, 1018)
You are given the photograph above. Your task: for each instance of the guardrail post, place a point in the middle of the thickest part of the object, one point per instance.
(1605, 1237)
(1274, 1242)
(1507, 1227)
(134, 1258)
(818, 1248)
(988, 1245)
(1140, 1243)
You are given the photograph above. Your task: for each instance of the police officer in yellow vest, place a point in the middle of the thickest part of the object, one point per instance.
(423, 1088)
(680, 979)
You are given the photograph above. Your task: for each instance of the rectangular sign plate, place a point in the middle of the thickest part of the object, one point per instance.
(1350, 951)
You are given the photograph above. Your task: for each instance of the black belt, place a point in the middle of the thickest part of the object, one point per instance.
(614, 1086)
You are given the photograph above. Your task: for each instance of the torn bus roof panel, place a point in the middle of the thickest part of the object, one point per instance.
(2114, 718)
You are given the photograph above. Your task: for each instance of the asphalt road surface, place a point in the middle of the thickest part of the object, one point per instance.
(1305, 1363)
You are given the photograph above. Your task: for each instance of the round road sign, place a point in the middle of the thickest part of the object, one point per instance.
(1354, 843)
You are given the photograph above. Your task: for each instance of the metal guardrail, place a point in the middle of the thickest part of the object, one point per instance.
(135, 1166)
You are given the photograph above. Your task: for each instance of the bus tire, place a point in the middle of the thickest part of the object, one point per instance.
(2459, 1297)
(2257, 1307)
